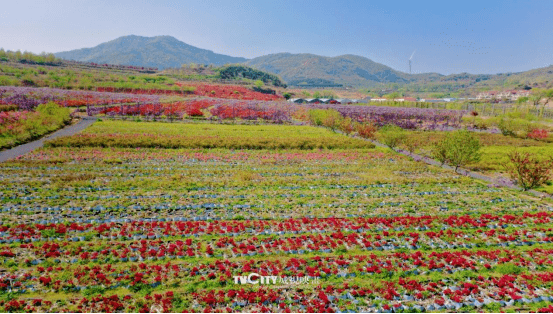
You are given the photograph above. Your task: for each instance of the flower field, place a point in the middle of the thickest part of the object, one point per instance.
(28, 97)
(92, 227)
(230, 92)
(17, 127)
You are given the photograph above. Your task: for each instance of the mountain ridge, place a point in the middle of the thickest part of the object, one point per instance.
(348, 69)
(158, 51)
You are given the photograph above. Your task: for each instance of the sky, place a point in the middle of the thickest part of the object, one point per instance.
(447, 36)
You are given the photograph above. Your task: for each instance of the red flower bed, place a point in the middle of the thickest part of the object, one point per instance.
(142, 91)
(229, 91)
(178, 109)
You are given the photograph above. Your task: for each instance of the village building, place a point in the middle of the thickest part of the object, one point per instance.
(511, 95)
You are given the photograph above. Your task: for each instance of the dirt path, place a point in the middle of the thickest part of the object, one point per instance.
(25, 148)
(462, 171)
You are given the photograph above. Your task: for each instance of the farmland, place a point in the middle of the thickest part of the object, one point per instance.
(135, 228)
(179, 189)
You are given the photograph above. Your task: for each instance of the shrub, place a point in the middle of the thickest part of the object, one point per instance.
(458, 148)
(5, 108)
(391, 135)
(537, 134)
(509, 269)
(439, 151)
(329, 118)
(17, 127)
(345, 125)
(528, 171)
(515, 127)
(365, 130)
(481, 123)
(411, 144)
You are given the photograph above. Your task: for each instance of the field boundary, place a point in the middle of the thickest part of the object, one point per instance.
(461, 171)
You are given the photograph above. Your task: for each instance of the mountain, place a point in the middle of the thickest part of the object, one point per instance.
(160, 52)
(298, 69)
(358, 71)
(302, 69)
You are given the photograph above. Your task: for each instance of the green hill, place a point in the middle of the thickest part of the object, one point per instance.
(160, 52)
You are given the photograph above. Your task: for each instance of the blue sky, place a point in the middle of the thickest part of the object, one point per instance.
(449, 36)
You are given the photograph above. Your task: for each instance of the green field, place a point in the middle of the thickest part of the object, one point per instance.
(156, 134)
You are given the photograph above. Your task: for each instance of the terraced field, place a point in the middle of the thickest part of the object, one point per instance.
(125, 228)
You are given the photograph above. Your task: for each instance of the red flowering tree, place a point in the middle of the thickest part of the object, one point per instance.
(529, 171)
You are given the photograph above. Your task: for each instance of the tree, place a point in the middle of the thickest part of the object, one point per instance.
(258, 83)
(522, 100)
(458, 148)
(547, 95)
(392, 96)
(391, 135)
(537, 95)
(528, 171)
(328, 94)
(411, 144)
(50, 58)
(287, 95)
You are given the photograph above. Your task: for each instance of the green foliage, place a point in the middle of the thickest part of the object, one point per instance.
(8, 108)
(29, 57)
(47, 118)
(391, 135)
(141, 288)
(125, 135)
(393, 95)
(331, 119)
(287, 95)
(48, 233)
(84, 79)
(458, 148)
(411, 144)
(508, 269)
(258, 83)
(241, 71)
(528, 170)
(328, 94)
(93, 291)
(515, 126)
(325, 117)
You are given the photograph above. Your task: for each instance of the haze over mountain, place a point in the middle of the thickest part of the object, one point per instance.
(159, 51)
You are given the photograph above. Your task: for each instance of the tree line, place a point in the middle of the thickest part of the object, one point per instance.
(29, 57)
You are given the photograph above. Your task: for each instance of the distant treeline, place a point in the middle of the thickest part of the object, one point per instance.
(313, 82)
(29, 57)
(241, 71)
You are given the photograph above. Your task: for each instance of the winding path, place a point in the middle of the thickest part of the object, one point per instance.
(66, 131)
(462, 171)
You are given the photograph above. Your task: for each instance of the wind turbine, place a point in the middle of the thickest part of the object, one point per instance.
(410, 60)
